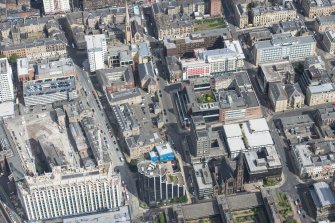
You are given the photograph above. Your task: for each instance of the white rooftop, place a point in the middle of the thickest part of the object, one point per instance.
(258, 125)
(232, 130)
(322, 88)
(256, 138)
(7, 109)
(22, 66)
(164, 149)
(235, 144)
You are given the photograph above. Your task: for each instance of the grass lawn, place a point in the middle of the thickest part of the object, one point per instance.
(284, 205)
(206, 98)
(205, 24)
(250, 215)
(268, 182)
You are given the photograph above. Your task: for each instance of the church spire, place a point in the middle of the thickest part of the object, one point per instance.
(128, 34)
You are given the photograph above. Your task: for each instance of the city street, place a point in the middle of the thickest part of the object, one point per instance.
(113, 153)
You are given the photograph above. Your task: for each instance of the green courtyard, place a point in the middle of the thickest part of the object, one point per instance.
(206, 98)
(206, 24)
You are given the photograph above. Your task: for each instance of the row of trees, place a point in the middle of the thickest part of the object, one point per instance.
(12, 59)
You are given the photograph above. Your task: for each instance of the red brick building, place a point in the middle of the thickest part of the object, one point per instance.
(215, 8)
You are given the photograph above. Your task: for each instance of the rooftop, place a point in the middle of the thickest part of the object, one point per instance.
(31, 43)
(52, 69)
(280, 40)
(203, 176)
(120, 214)
(322, 88)
(151, 169)
(232, 49)
(276, 72)
(325, 20)
(22, 66)
(164, 149)
(262, 160)
(200, 210)
(125, 117)
(322, 195)
(125, 94)
(307, 158)
(258, 10)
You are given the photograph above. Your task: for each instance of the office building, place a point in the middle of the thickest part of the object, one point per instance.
(214, 62)
(25, 70)
(278, 97)
(328, 41)
(96, 51)
(241, 15)
(280, 72)
(36, 49)
(316, 82)
(296, 27)
(166, 25)
(325, 116)
(256, 35)
(205, 142)
(268, 15)
(233, 101)
(139, 145)
(313, 8)
(69, 192)
(131, 96)
(6, 89)
(119, 56)
(283, 46)
(321, 94)
(314, 73)
(324, 23)
(117, 215)
(184, 47)
(77, 110)
(54, 81)
(246, 136)
(147, 77)
(116, 79)
(126, 120)
(200, 136)
(262, 163)
(56, 6)
(323, 202)
(215, 8)
(204, 181)
(158, 182)
(310, 164)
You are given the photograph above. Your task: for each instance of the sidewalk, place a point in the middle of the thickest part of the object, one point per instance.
(253, 187)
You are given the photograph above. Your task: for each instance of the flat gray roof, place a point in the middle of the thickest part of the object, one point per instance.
(279, 40)
(200, 210)
(323, 196)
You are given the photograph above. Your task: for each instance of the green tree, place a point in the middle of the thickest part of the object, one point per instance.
(299, 69)
(251, 5)
(162, 218)
(2, 56)
(13, 58)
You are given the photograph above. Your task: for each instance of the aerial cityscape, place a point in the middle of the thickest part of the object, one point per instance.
(167, 111)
